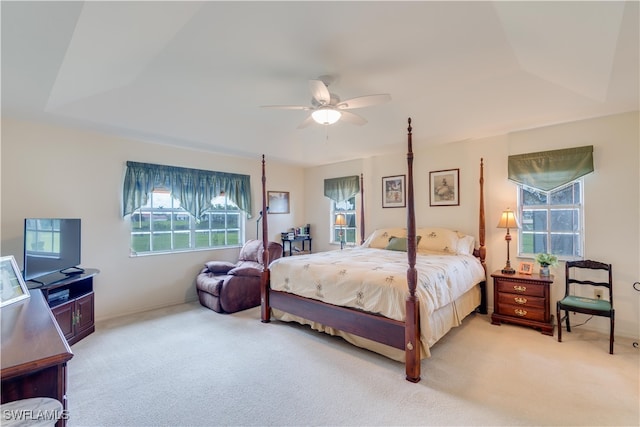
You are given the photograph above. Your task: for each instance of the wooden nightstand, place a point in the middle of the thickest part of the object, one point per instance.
(523, 300)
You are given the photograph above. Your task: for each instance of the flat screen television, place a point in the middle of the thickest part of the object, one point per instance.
(51, 249)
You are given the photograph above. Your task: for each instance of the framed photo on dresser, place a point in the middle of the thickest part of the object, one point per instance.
(526, 268)
(13, 288)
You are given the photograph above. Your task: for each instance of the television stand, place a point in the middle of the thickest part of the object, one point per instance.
(71, 300)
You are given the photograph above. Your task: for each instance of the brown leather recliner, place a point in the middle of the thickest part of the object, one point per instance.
(225, 287)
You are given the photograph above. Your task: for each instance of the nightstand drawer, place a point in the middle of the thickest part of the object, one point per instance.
(521, 287)
(522, 312)
(522, 300)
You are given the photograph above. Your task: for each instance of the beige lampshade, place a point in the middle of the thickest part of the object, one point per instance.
(508, 219)
(341, 220)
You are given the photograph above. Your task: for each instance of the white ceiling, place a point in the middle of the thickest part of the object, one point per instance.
(195, 74)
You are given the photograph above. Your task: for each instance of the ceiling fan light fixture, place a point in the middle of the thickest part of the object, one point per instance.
(326, 116)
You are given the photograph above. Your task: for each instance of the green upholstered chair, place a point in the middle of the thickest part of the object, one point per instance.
(576, 273)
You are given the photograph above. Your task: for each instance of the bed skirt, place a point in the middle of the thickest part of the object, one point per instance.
(432, 328)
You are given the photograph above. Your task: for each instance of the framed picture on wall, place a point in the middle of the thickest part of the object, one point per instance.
(13, 288)
(444, 188)
(278, 202)
(393, 191)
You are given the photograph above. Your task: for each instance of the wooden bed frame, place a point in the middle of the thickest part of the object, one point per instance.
(401, 335)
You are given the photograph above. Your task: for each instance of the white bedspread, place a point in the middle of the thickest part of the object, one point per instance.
(375, 280)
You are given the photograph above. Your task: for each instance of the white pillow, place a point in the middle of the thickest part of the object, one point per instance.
(466, 245)
(379, 239)
(438, 240)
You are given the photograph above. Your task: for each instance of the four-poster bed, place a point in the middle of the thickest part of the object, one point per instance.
(400, 318)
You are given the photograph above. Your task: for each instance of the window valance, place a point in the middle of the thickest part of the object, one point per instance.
(194, 188)
(341, 189)
(547, 170)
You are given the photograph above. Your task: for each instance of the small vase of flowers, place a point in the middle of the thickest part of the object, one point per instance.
(546, 260)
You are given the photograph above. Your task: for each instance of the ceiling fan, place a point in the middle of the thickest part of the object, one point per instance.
(327, 108)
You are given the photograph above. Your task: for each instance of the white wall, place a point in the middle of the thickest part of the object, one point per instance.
(52, 171)
(61, 172)
(612, 194)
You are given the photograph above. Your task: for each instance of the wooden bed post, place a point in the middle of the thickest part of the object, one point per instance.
(481, 226)
(264, 282)
(482, 250)
(362, 236)
(412, 321)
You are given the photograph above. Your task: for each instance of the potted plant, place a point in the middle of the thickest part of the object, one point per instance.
(546, 260)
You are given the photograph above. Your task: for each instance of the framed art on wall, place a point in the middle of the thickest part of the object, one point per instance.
(393, 191)
(278, 202)
(13, 288)
(444, 188)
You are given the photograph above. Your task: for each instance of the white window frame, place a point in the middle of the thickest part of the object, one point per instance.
(527, 235)
(349, 231)
(233, 234)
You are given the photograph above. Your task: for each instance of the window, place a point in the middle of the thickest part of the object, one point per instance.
(552, 221)
(42, 237)
(162, 226)
(342, 193)
(162, 203)
(348, 208)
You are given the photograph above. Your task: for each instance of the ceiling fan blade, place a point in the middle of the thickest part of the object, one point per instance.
(309, 120)
(287, 107)
(352, 118)
(364, 101)
(320, 92)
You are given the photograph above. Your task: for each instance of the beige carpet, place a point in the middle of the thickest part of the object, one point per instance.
(189, 366)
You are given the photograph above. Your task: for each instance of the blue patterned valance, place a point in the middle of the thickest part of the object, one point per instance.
(194, 188)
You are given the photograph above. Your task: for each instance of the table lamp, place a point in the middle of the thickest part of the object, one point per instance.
(341, 221)
(508, 220)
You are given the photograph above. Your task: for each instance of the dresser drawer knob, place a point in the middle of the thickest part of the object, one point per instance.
(520, 300)
(519, 288)
(520, 312)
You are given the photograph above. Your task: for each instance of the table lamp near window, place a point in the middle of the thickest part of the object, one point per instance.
(341, 221)
(508, 220)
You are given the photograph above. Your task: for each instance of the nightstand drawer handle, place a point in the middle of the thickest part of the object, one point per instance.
(520, 312)
(519, 288)
(520, 300)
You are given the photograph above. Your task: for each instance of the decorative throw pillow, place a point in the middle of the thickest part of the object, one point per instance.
(400, 243)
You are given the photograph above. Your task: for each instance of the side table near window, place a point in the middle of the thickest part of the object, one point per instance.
(522, 299)
(290, 240)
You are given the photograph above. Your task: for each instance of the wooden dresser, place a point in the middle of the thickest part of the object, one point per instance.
(522, 299)
(34, 353)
